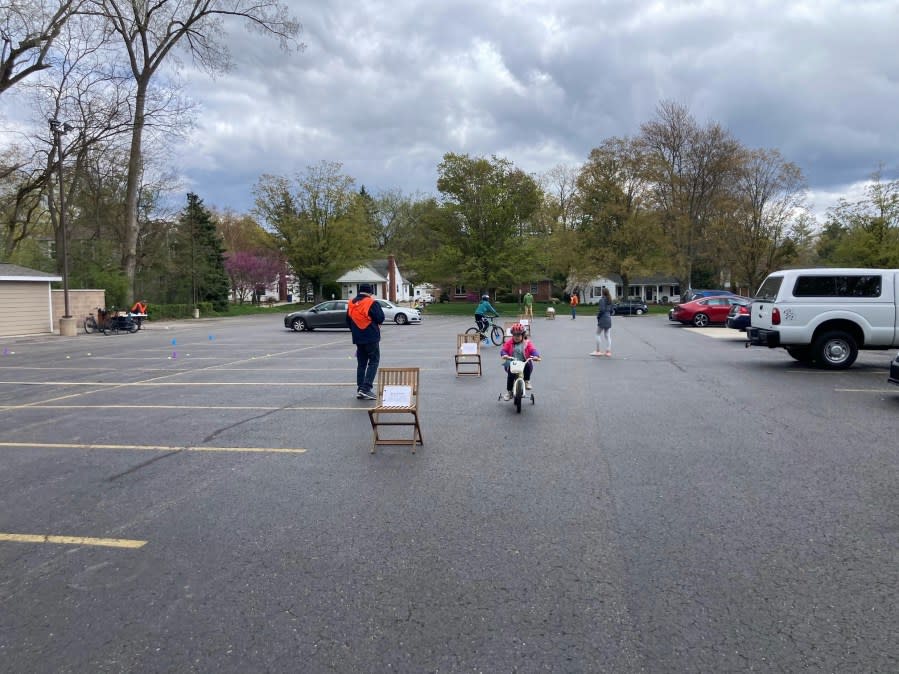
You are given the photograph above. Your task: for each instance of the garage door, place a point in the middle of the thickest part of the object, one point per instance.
(24, 307)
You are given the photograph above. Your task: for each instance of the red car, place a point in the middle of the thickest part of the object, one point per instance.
(706, 310)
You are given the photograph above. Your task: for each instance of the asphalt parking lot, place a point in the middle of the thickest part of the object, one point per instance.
(200, 496)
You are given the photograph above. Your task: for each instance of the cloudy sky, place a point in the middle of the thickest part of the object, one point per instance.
(386, 87)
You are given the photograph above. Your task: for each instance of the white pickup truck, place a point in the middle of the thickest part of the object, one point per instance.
(824, 316)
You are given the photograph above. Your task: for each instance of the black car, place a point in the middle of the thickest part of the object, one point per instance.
(894, 371)
(738, 317)
(630, 308)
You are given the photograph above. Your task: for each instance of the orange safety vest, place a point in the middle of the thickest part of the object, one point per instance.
(358, 312)
(139, 308)
(574, 300)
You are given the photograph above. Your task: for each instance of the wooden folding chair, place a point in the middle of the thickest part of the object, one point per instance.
(398, 402)
(468, 355)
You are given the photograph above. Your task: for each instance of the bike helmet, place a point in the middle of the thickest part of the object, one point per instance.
(517, 329)
(485, 297)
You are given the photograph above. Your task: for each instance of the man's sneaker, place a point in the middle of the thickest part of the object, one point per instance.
(367, 395)
(507, 395)
(358, 394)
(528, 386)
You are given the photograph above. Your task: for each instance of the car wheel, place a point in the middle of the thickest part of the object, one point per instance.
(700, 320)
(401, 319)
(298, 324)
(639, 312)
(835, 350)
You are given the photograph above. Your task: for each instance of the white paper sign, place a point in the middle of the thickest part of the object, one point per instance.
(397, 396)
(469, 348)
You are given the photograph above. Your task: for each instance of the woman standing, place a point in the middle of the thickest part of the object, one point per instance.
(604, 325)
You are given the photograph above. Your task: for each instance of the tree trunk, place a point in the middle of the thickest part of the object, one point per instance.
(135, 166)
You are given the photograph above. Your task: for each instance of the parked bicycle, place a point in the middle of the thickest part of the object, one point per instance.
(491, 331)
(109, 322)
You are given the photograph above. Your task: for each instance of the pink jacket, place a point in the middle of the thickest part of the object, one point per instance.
(530, 351)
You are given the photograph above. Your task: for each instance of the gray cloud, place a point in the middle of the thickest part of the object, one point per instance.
(387, 88)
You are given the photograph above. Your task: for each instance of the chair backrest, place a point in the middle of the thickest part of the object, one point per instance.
(464, 338)
(398, 376)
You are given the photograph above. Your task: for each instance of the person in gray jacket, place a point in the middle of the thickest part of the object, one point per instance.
(604, 325)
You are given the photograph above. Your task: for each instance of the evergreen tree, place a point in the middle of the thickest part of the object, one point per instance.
(199, 258)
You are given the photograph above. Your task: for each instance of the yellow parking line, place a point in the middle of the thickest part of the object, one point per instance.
(73, 540)
(181, 383)
(246, 408)
(155, 448)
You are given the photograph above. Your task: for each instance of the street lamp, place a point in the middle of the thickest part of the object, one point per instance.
(66, 324)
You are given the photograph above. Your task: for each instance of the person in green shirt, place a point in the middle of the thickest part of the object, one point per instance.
(528, 305)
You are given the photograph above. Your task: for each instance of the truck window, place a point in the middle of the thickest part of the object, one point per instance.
(767, 292)
(867, 285)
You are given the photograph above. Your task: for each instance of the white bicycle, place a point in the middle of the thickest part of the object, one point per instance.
(516, 367)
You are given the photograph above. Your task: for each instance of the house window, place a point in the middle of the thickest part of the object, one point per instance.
(460, 290)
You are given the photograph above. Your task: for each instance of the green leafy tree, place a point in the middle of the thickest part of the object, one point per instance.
(864, 233)
(319, 222)
(487, 205)
(617, 233)
(199, 256)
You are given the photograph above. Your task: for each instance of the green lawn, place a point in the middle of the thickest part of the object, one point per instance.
(506, 310)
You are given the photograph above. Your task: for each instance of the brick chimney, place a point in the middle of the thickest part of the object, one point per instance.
(391, 278)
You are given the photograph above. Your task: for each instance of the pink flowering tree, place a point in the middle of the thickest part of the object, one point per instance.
(249, 270)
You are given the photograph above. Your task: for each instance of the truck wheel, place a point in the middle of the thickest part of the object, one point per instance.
(835, 350)
(801, 353)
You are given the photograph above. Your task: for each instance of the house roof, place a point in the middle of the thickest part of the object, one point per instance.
(364, 274)
(13, 272)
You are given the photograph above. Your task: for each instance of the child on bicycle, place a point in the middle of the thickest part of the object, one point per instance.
(483, 308)
(519, 347)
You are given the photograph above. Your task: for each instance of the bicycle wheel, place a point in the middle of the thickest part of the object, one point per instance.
(473, 331)
(517, 395)
(496, 335)
(90, 325)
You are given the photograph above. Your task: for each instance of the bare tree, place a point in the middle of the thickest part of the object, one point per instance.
(690, 168)
(771, 197)
(150, 32)
(560, 185)
(28, 29)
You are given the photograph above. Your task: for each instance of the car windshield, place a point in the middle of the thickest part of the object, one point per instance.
(767, 292)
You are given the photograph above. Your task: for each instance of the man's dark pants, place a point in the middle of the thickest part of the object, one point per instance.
(367, 358)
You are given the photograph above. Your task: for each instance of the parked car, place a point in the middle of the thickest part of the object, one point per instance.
(738, 318)
(399, 315)
(630, 308)
(330, 314)
(894, 371)
(691, 295)
(824, 316)
(705, 311)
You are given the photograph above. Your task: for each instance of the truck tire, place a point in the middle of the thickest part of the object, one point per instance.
(801, 353)
(835, 350)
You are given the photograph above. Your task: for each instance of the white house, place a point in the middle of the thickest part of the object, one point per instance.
(656, 288)
(383, 275)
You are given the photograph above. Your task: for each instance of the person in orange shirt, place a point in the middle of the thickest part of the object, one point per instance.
(574, 303)
(140, 307)
(364, 317)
